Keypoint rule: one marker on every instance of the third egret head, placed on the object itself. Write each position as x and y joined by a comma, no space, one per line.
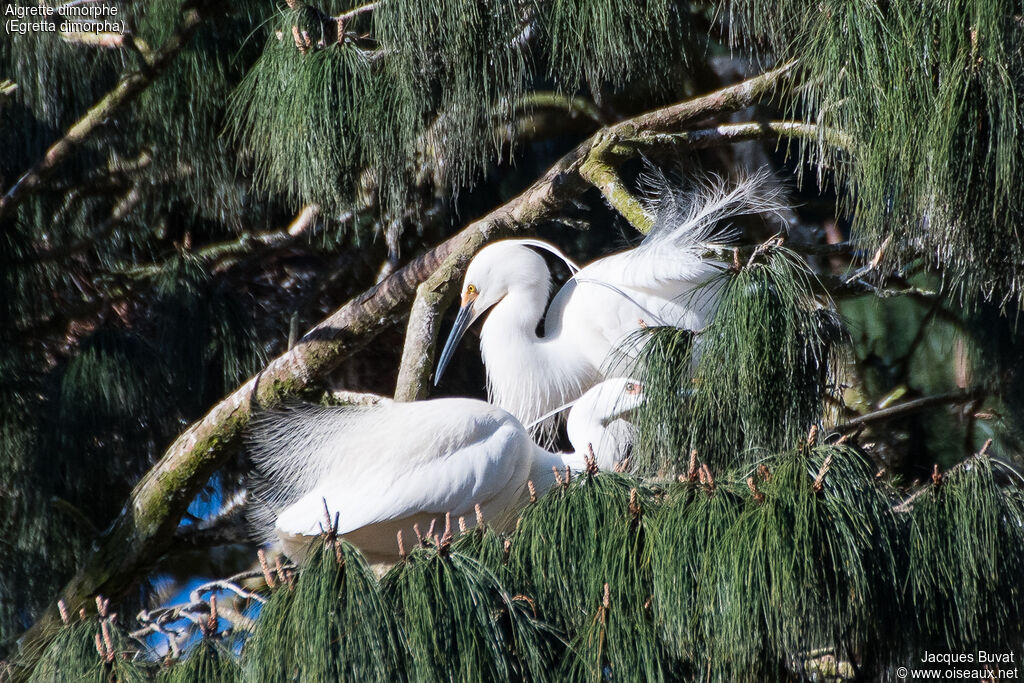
591,420
496,271
610,400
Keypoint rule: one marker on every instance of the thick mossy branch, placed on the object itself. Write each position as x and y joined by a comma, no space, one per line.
418,354
599,169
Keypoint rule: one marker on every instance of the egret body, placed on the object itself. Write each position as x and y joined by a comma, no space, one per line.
383,469
663,281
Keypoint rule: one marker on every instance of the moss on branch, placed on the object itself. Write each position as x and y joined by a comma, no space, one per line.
599,169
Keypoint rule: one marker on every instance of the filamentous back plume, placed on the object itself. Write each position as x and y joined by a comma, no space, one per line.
414,468
665,280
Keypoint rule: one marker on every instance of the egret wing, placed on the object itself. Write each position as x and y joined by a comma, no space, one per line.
387,462
666,279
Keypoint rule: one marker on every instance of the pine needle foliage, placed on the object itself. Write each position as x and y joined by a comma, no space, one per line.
110,406
180,117
207,661
50,74
425,96
73,656
310,121
576,539
809,563
36,549
453,65
931,95
110,383
599,41
484,545
328,623
687,530
965,574
460,623
753,381
221,346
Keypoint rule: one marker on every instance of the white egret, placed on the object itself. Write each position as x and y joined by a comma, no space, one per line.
385,468
665,280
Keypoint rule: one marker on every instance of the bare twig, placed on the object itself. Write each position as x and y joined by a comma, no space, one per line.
910,407
356,398
355,12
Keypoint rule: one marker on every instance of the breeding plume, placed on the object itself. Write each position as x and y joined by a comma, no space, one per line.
665,280
385,468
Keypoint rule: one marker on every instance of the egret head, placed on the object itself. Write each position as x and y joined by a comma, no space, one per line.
603,405
609,400
496,270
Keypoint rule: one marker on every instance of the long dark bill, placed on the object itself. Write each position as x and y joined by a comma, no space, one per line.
462,323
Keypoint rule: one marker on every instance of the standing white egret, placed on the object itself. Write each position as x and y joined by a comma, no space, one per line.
385,468
665,280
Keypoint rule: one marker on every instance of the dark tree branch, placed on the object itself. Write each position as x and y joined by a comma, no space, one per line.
911,407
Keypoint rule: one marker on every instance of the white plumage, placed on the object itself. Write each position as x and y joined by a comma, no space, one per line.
384,468
665,280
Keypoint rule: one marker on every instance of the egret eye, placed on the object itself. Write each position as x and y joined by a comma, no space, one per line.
630,387
471,289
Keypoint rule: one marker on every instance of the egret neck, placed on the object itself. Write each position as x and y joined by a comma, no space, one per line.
539,373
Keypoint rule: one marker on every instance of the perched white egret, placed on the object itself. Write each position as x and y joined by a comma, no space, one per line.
665,280
385,468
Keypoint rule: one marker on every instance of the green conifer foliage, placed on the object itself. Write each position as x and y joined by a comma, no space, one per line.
755,379
964,574
328,622
931,94
690,525
459,622
598,41
180,118
806,562
208,660
454,66
92,651
485,545
309,120
587,533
